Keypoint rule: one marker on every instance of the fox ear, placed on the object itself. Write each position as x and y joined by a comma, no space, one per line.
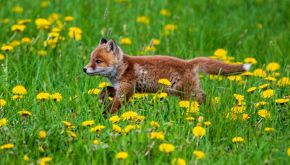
112,46
103,41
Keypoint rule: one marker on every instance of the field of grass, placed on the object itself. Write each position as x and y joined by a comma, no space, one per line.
47,102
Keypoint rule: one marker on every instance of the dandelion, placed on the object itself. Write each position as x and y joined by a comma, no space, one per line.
190,119
207,123
88,123
251,90
143,20
259,73
97,128
19,90
75,33
161,95
198,154
7,146
220,53
3,122
116,128
94,91
15,43
2,102
264,86
150,48
164,81
26,40
42,23
283,82
278,101
2,57
178,161
25,157
56,97
235,78
71,133
18,28
42,53
166,147
121,155
16,97
126,41
245,116
261,103
42,96
288,151
154,124
238,140
247,74
238,109
250,60
115,119
130,115
165,12
273,66
198,131
68,18
264,113
239,97
157,135
24,113
130,127
7,48
155,42
42,134
269,129
170,27
215,100
96,141
103,84
68,124
44,160
17,9
267,93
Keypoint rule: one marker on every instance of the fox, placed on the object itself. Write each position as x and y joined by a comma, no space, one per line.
129,74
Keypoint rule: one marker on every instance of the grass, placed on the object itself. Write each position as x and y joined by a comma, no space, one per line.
258,29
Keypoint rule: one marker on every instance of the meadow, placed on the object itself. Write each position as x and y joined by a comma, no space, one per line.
50,111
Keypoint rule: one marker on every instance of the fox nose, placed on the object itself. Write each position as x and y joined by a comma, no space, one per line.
85,69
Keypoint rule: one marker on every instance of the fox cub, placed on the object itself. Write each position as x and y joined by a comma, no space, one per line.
141,73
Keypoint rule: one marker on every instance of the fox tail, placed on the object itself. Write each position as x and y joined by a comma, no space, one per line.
212,66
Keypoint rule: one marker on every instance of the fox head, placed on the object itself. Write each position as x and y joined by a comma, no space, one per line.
105,59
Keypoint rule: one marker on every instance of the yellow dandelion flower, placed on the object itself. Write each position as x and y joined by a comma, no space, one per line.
68,18
235,78
94,91
273,66
220,53
238,140
121,155
43,96
215,100
24,113
19,90
42,53
239,97
143,20
264,86
42,23
164,81
88,123
17,9
157,135
7,146
16,97
165,12
2,102
14,43
198,154
44,160
190,119
278,101
178,161
160,95
18,28
96,141
269,78
166,147
7,48
42,134
247,74
155,42
126,41
198,131
25,157
3,122
259,73
26,40
154,124
115,119
129,115
72,134
2,57
264,113
288,151
267,93
250,60
56,97
68,124
251,90
170,27
246,116
97,128
150,48
116,128
238,109
103,84
283,82
261,103
23,21
207,123
269,129
130,127
75,33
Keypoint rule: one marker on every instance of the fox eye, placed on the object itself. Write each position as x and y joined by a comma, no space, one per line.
98,61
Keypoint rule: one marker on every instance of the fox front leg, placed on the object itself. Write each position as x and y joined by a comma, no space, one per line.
108,91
